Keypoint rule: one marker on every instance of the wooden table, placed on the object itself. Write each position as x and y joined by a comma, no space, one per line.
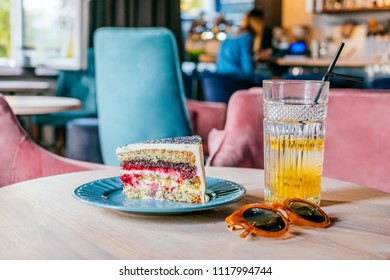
13,87
39,104
40,219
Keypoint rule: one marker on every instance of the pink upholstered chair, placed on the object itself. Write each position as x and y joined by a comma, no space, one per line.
21,159
357,147
241,142
204,117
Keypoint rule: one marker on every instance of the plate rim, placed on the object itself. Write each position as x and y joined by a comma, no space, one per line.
160,211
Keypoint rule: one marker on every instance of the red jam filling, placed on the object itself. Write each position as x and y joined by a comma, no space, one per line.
133,179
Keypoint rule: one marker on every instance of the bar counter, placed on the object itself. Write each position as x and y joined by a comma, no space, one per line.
321,62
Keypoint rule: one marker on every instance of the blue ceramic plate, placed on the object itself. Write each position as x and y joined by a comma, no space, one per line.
107,193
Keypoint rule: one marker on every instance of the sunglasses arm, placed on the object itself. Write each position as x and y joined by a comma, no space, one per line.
234,228
244,233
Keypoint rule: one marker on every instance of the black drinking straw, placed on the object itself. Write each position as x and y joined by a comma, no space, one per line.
329,73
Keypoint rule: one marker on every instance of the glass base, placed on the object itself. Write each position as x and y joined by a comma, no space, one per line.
273,199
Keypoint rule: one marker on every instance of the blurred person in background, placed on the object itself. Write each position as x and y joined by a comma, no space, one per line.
239,55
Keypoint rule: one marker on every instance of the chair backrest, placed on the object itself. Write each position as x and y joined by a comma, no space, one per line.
140,90
80,84
206,116
22,159
357,146
242,140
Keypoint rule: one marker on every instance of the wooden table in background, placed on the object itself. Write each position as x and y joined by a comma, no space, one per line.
24,106
12,87
39,104
40,219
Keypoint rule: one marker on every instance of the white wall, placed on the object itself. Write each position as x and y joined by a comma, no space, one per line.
294,13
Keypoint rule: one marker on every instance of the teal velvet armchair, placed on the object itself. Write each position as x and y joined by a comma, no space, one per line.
140,91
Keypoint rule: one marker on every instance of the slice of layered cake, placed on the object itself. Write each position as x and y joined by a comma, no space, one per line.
166,169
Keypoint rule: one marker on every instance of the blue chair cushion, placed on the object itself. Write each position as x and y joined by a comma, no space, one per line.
82,140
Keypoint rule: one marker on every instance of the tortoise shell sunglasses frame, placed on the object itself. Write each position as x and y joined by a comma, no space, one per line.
236,221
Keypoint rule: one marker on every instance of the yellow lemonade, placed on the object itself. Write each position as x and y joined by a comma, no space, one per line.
294,137
294,168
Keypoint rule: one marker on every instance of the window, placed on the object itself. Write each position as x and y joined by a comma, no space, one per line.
5,31
44,33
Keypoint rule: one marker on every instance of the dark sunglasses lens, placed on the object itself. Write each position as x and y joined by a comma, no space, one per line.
264,219
307,212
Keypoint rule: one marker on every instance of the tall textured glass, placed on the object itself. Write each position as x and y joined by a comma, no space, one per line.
294,137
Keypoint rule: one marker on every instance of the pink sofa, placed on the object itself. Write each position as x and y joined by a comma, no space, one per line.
357,147
21,159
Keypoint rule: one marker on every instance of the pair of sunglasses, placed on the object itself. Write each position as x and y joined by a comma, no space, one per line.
273,221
